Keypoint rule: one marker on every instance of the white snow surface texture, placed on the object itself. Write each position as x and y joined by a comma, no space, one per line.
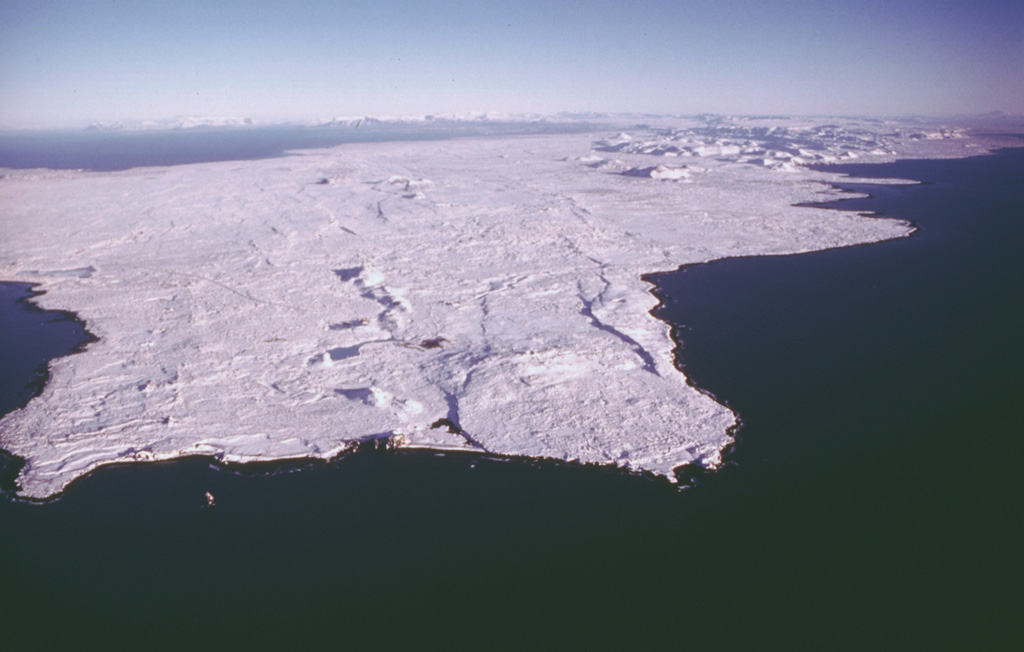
290,307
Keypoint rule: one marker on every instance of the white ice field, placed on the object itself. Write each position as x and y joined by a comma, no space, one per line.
479,294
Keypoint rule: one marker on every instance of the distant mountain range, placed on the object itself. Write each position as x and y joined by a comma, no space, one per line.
991,120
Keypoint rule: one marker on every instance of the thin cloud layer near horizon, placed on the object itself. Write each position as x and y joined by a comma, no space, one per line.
67,64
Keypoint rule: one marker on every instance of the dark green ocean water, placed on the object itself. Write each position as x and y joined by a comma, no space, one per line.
872,499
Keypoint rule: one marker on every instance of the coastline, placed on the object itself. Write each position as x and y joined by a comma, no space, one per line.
874,383
651,341
858,505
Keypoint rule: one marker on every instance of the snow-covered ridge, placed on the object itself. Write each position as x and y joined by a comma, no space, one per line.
741,126
191,122
773,145
478,294
229,122
458,118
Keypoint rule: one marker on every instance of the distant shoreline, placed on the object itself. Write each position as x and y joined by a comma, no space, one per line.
115,151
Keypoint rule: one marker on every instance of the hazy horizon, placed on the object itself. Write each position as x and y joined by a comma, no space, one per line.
69,64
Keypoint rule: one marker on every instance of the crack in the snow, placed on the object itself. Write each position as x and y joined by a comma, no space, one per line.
452,422
377,293
588,311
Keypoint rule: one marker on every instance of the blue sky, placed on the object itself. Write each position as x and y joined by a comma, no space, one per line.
66,64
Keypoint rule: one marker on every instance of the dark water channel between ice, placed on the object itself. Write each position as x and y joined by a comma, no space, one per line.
872,499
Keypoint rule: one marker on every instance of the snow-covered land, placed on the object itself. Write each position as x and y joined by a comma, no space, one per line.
480,294
192,122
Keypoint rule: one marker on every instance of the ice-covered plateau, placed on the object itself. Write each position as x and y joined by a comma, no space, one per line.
475,294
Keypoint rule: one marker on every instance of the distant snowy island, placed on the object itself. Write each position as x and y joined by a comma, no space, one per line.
480,294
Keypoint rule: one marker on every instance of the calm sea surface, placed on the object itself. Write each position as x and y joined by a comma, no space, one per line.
872,498
105,151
